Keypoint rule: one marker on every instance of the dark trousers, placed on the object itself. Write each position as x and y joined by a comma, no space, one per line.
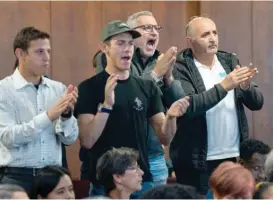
64,157
85,157
197,178
23,177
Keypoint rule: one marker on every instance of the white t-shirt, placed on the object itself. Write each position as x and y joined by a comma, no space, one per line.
222,123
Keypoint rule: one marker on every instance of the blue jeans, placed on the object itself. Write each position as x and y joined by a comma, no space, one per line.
158,169
209,195
99,190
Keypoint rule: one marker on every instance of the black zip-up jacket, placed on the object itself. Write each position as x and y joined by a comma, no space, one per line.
188,149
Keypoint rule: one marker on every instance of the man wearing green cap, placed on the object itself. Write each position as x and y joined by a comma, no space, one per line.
115,109
149,64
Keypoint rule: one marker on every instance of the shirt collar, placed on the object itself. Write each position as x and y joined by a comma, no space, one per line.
19,81
199,65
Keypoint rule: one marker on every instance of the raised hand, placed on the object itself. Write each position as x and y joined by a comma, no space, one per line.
253,71
236,77
64,104
178,108
72,92
109,91
165,62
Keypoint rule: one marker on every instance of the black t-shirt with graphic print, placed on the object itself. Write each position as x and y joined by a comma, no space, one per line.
136,100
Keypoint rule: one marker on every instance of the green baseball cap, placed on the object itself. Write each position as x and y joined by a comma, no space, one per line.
117,27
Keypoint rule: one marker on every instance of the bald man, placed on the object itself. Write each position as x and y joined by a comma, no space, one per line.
215,123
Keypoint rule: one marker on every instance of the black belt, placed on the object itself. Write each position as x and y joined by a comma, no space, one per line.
20,170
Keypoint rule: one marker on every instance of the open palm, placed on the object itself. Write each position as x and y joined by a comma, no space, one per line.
178,108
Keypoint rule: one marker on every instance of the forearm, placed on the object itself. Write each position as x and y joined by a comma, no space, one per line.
168,129
15,135
172,93
90,133
252,97
202,102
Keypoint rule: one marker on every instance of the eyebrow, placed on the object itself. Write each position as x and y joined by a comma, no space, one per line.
121,40
61,188
207,32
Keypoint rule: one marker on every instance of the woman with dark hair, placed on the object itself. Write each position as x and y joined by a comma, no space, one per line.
232,181
119,173
54,182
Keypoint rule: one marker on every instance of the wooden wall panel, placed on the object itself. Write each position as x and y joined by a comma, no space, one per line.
121,10
234,31
262,54
173,16
94,26
13,17
76,26
75,38
71,43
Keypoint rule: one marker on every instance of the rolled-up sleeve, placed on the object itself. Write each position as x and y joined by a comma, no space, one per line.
67,130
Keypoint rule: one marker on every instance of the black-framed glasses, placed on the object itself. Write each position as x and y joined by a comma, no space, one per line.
149,28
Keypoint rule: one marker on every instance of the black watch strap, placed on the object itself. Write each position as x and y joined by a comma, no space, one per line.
102,109
67,115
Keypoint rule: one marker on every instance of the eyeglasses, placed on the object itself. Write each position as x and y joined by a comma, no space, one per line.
135,167
149,28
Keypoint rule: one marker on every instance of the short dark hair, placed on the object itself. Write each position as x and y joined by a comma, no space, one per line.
251,146
170,191
7,190
48,178
25,36
261,189
114,161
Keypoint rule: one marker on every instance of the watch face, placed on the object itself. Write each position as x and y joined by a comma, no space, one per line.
99,106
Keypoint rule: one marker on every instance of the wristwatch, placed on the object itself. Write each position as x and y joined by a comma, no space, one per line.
158,80
67,115
102,109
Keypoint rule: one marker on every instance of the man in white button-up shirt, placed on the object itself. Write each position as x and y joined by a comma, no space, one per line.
35,112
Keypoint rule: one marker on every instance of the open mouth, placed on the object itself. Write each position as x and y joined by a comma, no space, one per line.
125,58
151,43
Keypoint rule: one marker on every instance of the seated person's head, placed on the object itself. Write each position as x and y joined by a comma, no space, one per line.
252,156
264,190
269,167
54,182
118,171
170,191
231,181
10,191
